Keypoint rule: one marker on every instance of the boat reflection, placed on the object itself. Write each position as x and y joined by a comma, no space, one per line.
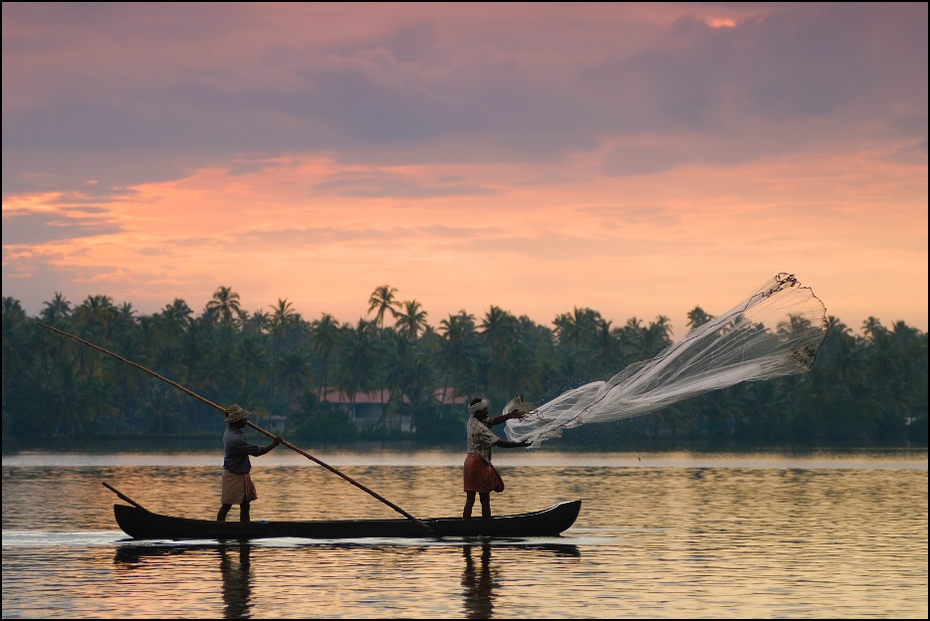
479,583
133,555
480,579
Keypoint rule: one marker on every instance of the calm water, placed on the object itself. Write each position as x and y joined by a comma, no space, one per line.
664,535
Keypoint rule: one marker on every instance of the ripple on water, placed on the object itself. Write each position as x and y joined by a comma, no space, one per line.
657,541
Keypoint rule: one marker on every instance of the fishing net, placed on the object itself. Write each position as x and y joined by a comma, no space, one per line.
776,331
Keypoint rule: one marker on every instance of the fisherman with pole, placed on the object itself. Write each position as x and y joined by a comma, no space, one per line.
238,488
245,422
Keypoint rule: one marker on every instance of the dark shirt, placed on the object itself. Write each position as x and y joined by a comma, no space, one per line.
238,450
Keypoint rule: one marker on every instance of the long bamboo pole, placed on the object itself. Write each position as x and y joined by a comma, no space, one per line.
248,422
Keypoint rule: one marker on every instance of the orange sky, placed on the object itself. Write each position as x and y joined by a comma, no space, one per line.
635,159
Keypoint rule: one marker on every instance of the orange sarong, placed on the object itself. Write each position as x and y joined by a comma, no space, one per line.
480,476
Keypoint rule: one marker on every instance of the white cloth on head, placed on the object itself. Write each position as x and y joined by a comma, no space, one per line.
477,407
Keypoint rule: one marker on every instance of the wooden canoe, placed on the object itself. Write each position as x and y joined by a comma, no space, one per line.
139,523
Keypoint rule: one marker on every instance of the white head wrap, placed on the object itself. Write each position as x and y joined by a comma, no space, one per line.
472,409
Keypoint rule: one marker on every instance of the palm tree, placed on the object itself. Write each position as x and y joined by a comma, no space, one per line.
871,327
361,357
96,314
259,321
605,347
631,339
458,350
578,333
95,318
658,335
168,332
577,328
126,311
517,369
848,363
499,330
282,316
125,318
57,308
252,355
415,378
698,317
67,401
97,393
178,312
295,372
411,320
836,326
17,352
225,305
325,337
382,299
195,346
884,357
129,382
175,319
905,335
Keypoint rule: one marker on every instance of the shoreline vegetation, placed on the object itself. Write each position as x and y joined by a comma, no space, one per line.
320,383
209,444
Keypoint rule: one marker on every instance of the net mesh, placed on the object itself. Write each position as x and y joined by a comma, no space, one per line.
776,331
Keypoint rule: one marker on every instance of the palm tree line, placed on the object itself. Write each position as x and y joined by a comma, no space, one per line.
870,388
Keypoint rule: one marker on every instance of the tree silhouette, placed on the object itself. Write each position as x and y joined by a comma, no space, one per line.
382,300
458,351
360,359
283,316
698,317
57,308
325,338
224,305
295,373
411,320
864,389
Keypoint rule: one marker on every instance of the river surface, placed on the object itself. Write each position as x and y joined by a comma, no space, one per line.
666,535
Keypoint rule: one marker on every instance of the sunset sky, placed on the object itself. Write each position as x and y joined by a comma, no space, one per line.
635,159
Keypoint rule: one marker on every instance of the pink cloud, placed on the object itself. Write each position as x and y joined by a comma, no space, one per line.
637,159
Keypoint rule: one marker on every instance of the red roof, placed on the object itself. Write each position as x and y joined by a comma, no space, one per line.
337,396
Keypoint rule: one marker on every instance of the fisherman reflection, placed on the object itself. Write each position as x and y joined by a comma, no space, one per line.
237,589
477,591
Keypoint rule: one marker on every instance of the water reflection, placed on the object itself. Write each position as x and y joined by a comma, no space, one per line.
132,555
675,542
478,585
235,570
237,583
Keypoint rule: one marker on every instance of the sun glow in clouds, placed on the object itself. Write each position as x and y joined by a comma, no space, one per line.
721,22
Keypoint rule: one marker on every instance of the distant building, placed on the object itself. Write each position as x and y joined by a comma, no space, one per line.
275,423
365,409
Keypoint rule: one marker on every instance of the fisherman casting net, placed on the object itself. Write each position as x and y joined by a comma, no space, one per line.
776,331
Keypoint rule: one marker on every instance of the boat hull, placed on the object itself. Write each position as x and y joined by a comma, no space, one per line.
141,524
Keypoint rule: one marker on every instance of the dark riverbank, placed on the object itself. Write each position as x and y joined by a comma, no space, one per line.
196,443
